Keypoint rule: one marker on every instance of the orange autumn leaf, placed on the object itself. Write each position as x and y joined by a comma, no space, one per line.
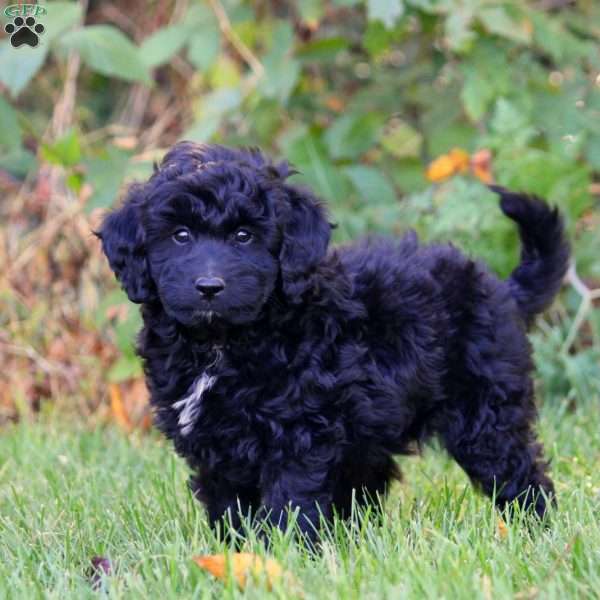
481,166
146,421
461,159
117,408
241,565
502,529
483,175
458,161
335,103
441,168
447,165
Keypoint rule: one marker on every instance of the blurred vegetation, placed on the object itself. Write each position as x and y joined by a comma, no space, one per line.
360,95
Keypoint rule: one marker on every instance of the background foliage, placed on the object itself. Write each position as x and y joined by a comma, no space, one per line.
360,95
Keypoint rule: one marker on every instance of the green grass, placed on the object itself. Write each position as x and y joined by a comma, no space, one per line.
68,493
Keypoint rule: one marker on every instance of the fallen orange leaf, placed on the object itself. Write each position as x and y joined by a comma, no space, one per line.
244,564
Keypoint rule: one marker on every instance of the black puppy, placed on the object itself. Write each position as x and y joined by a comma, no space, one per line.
289,375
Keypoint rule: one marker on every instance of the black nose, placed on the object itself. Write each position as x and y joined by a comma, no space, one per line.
210,286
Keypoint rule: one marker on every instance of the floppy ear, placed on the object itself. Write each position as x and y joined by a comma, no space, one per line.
123,242
306,233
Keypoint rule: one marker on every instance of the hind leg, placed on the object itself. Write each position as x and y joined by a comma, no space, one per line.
493,441
487,423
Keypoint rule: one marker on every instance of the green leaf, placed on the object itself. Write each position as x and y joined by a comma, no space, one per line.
10,131
497,20
476,95
545,174
225,73
377,39
592,151
453,134
126,330
281,69
128,366
311,10
100,316
386,11
402,141
74,181
162,45
214,107
352,134
204,36
459,35
203,130
18,66
280,78
511,123
60,17
466,212
371,184
551,35
307,153
323,49
106,173
203,48
65,151
409,176
18,162
487,76
108,51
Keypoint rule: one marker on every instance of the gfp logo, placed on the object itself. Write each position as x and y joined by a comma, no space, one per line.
24,29
24,10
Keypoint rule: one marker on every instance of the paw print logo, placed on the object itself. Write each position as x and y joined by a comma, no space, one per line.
24,31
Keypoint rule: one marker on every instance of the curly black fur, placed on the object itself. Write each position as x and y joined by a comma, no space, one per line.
298,383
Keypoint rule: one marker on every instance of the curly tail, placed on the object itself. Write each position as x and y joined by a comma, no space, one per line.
544,251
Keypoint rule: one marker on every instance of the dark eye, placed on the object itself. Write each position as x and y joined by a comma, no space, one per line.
182,236
243,236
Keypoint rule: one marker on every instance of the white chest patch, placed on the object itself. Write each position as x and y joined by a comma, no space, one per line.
190,406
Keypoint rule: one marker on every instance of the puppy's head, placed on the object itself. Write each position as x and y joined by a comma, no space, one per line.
212,234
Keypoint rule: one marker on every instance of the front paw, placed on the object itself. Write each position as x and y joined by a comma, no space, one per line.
289,523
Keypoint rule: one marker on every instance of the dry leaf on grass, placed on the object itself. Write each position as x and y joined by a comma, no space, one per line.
242,565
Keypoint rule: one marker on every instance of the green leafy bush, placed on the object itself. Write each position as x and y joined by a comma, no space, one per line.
359,95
